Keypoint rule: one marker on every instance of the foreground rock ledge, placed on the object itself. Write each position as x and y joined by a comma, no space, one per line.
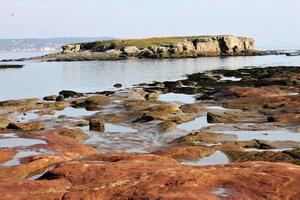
144,176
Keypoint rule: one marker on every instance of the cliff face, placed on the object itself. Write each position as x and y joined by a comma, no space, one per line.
168,47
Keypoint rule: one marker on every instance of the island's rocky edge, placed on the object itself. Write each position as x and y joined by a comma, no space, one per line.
159,47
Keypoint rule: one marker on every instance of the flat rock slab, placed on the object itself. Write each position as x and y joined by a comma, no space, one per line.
144,176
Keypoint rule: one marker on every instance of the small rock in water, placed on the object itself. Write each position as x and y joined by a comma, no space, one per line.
7,66
50,98
70,93
59,98
152,96
118,85
97,125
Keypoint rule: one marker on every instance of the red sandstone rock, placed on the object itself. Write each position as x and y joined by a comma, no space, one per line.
64,149
185,152
238,92
124,176
285,117
6,154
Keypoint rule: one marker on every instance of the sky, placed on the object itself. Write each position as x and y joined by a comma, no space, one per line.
274,24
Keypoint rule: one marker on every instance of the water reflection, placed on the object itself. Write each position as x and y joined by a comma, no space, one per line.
38,79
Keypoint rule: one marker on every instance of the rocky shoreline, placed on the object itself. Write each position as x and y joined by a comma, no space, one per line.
157,48
233,134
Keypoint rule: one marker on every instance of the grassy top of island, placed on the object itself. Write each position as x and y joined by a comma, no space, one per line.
144,42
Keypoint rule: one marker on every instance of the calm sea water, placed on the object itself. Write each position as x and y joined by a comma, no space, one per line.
38,79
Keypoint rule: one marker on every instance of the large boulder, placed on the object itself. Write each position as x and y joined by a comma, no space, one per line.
131,51
232,44
209,45
71,48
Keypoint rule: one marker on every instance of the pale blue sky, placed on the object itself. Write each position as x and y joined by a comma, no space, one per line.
272,23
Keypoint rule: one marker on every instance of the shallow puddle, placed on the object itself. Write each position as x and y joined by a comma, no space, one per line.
216,108
37,176
14,142
112,128
229,78
173,97
271,135
220,192
8,135
198,123
264,150
74,112
26,117
119,138
21,154
123,142
216,158
69,112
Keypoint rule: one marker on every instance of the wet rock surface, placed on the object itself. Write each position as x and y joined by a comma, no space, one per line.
134,144
151,177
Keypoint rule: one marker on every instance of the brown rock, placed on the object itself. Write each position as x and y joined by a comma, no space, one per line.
76,134
93,102
6,154
270,156
184,152
285,117
166,126
204,137
162,112
35,190
4,122
97,124
152,96
50,98
196,108
235,117
238,92
26,126
182,118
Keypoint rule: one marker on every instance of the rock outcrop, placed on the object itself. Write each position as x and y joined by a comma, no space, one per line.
156,48
71,48
170,47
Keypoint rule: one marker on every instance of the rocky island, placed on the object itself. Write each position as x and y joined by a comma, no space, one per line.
155,48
